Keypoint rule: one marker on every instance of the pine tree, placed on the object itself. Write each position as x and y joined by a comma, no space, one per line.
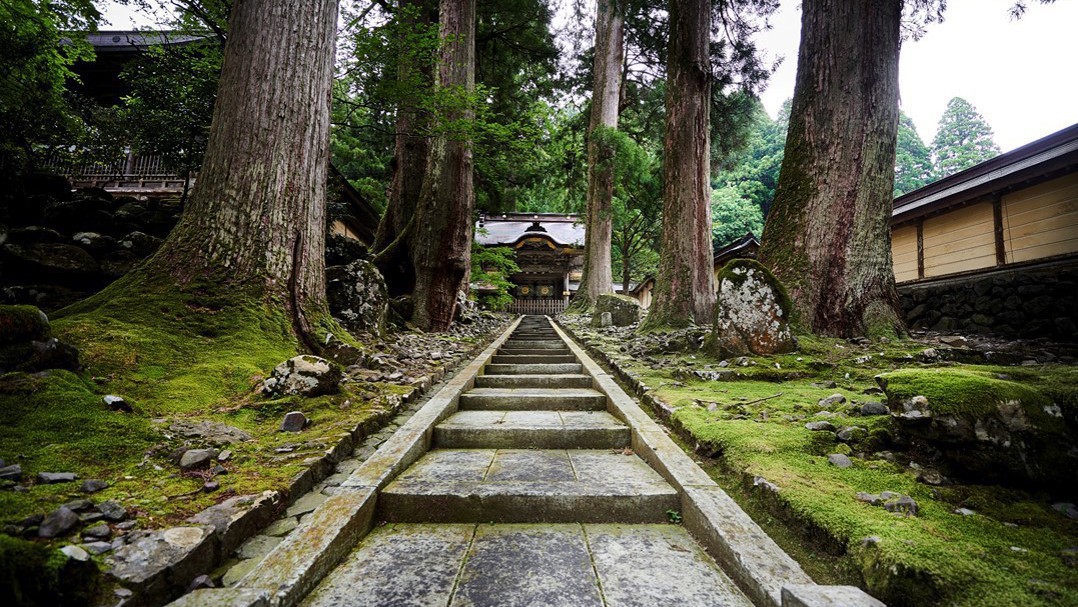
963,139
913,161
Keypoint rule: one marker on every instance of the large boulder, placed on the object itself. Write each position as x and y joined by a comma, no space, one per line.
991,429
21,324
64,262
752,314
303,375
623,310
358,297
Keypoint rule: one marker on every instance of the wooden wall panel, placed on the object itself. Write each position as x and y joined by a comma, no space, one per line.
904,252
961,240
1042,221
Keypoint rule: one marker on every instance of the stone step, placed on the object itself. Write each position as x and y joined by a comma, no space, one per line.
533,368
563,380
527,486
533,399
531,351
515,359
557,565
546,344
531,430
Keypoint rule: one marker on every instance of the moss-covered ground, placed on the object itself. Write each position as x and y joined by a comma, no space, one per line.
1012,552
190,354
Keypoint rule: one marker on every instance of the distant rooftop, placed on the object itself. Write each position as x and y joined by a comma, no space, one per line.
510,228
112,41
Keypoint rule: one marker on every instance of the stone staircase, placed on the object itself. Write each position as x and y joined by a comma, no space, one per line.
530,495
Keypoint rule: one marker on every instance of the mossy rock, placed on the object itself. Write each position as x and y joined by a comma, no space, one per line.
33,575
752,314
22,324
624,310
991,428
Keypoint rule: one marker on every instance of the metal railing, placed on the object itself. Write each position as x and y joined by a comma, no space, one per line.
549,307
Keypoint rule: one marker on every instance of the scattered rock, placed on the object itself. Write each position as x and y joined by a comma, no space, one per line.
763,483
93,486
852,434
901,505
294,421
76,553
50,478
839,460
1067,509
97,547
58,522
827,385
23,324
964,511
830,401
197,458
237,518
932,477
915,408
869,498
98,531
117,403
603,319
112,511
211,486
224,456
874,408
752,312
303,375
79,505
820,426
215,433
202,581
11,473
954,341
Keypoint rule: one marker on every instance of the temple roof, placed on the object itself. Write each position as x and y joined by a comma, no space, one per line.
510,228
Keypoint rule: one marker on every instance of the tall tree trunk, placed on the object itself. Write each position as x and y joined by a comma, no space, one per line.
685,284
598,277
443,225
411,148
257,214
828,234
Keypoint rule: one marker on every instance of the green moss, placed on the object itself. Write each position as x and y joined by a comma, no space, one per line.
964,391
936,558
33,575
21,323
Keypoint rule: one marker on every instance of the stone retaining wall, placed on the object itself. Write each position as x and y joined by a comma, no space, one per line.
1031,301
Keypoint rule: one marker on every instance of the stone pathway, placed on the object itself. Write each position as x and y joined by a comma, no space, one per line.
529,496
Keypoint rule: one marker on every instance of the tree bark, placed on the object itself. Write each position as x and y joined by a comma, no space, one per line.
257,213
598,277
828,234
443,227
685,283
411,148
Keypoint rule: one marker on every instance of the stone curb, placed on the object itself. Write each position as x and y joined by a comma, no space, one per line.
232,528
761,568
296,565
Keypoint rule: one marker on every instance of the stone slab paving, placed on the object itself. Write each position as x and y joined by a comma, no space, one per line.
568,565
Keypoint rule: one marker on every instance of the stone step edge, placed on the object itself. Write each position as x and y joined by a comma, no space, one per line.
296,565
743,550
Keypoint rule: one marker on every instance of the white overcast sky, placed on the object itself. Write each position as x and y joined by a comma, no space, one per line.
1021,75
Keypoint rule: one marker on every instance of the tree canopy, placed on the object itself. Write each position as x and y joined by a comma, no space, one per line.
963,139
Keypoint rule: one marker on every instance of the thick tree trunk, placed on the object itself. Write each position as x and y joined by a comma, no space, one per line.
411,148
257,214
609,56
685,284
443,226
828,234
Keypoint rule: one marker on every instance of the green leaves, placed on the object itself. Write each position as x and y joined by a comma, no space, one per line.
963,139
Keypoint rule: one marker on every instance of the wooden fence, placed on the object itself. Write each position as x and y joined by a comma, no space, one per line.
549,307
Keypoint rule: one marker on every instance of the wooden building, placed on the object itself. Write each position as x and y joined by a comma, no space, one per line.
745,247
994,248
550,252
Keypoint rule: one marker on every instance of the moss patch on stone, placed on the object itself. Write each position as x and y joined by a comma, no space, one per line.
965,391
